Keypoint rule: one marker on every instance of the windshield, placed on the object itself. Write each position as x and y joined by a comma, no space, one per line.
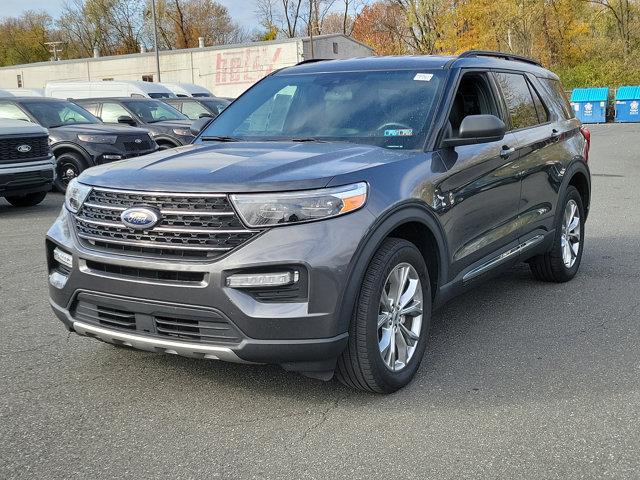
391,109
151,111
161,95
217,105
51,114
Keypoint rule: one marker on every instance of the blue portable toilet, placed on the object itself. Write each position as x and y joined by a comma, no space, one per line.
628,104
590,104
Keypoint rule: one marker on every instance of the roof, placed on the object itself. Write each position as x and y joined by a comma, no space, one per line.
29,99
17,127
590,94
415,62
628,93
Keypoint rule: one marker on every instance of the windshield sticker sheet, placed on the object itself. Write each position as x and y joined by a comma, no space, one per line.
402,132
423,77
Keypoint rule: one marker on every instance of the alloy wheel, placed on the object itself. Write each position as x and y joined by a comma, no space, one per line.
400,316
570,239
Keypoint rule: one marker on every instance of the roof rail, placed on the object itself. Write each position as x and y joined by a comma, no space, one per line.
312,60
505,56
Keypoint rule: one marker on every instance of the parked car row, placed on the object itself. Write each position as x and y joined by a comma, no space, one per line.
92,123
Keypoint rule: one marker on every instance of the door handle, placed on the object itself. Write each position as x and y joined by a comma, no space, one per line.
507,151
555,133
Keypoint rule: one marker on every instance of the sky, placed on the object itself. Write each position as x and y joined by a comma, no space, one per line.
242,11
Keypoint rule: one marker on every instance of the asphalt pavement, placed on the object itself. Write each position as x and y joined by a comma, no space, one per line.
521,379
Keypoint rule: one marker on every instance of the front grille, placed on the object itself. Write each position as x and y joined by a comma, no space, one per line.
135,147
192,226
145,273
9,148
107,316
155,319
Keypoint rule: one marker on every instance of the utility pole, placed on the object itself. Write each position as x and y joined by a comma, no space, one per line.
54,48
311,26
155,38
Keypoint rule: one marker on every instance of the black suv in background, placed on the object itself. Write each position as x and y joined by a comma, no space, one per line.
318,220
168,127
78,139
196,108
26,163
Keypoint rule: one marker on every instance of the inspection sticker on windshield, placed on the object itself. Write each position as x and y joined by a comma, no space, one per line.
423,77
403,132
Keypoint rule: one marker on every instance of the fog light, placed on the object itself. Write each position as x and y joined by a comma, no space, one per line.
112,157
63,258
58,280
256,280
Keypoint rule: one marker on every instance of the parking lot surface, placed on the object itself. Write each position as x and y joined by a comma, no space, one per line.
521,379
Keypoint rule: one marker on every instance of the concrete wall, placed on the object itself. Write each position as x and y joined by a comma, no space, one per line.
227,70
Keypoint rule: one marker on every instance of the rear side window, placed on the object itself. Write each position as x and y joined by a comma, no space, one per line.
518,100
556,98
543,115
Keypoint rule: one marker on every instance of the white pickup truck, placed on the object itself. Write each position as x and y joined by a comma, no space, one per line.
27,165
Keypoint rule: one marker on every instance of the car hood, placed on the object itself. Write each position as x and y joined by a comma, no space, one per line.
96,128
239,167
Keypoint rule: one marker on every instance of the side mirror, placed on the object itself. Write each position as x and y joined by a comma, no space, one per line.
198,125
126,119
477,129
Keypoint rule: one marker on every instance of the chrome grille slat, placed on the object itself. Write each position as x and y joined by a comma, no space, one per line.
191,225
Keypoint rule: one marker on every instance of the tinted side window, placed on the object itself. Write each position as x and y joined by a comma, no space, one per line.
556,97
543,115
91,108
518,99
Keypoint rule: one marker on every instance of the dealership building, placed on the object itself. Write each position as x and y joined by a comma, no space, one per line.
226,70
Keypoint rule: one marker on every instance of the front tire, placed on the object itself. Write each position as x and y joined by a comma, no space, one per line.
68,166
28,200
390,323
561,263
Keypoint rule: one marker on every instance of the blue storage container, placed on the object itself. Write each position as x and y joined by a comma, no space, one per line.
590,104
628,104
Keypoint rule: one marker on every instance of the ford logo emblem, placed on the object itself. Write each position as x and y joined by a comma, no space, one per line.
23,148
138,140
140,218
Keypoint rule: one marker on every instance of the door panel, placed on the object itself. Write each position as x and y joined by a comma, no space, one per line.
478,200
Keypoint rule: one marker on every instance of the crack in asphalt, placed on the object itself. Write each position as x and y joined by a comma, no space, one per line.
323,418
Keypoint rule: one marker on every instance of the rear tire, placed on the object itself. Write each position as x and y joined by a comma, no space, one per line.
561,263
378,321
28,200
68,166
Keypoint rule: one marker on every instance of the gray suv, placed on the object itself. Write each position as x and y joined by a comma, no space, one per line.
321,217
27,166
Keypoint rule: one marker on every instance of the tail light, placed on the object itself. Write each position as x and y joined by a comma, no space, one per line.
586,133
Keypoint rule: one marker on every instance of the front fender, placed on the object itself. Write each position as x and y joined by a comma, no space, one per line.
57,147
402,213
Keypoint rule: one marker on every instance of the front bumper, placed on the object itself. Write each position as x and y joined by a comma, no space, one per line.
301,332
26,177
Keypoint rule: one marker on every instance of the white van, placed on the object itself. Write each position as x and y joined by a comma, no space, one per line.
25,92
188,90
106,88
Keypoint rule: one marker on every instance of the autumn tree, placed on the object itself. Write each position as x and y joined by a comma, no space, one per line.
382,26
24,37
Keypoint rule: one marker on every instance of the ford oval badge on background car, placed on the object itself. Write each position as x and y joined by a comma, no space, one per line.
140,218
23,148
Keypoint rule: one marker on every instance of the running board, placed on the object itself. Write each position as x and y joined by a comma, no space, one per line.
503,257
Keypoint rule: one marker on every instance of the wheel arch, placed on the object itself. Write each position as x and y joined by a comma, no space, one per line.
60,148
166,139
411,221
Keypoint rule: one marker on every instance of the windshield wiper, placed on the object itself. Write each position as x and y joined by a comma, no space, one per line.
219,138
307,139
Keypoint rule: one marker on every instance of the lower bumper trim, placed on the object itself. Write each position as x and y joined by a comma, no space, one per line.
157,345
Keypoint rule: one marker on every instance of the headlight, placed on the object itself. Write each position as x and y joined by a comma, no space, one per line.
182,131
273,209
111,139
76,194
